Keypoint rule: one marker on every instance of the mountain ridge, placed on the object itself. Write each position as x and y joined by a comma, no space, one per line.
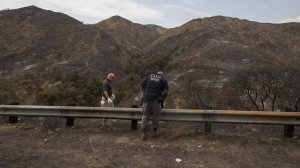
38,44
132,36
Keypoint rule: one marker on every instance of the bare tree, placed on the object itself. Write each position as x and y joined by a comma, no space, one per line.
245,83
275,81
289,97
261,87
197,96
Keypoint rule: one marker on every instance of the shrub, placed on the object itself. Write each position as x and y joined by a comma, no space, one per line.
74,89
8,91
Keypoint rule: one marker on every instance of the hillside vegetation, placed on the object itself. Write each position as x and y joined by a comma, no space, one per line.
215,63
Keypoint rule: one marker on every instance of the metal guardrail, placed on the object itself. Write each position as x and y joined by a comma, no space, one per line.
290,119
70,111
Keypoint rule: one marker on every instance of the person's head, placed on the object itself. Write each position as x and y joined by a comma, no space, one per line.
160,73
111,77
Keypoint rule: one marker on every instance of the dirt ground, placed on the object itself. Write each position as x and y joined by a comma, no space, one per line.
47,142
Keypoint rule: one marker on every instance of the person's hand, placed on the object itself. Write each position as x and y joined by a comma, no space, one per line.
113,96
109,101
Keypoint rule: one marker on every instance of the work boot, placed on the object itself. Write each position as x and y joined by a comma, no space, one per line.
155,133
144,134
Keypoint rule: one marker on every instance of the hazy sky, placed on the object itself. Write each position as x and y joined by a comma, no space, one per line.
167,13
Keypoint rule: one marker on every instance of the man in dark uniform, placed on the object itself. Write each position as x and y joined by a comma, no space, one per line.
155,88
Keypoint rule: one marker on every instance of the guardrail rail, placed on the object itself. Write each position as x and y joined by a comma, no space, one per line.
288,119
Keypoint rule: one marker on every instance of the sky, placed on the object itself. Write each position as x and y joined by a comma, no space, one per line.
167,13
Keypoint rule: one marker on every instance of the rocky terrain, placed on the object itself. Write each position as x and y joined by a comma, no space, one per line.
48,143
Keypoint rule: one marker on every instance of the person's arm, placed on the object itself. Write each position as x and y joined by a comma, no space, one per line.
165,90
164,94
109,100
106,94
144,82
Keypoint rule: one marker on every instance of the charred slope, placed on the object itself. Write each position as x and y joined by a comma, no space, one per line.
39,44
213,49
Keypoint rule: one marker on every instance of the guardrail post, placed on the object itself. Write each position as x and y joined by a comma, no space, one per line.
70,120
207,127
134,122
13,119
289,131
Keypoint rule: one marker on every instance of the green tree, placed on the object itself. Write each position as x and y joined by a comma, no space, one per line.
73,89
145,64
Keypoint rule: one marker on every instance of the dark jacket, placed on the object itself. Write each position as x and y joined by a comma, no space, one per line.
153,87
